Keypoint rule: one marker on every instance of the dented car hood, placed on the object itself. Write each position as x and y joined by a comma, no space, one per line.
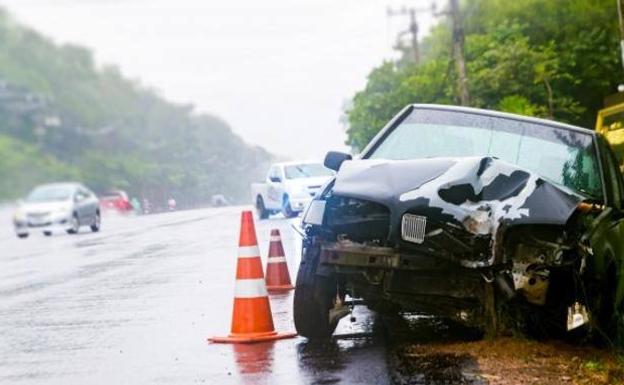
477,193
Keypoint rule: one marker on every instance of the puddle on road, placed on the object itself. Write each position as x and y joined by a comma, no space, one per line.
358,359
355,354
372,349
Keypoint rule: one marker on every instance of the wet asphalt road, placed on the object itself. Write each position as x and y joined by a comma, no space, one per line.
135,303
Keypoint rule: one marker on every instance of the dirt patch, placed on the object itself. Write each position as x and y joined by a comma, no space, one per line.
506,361
433,368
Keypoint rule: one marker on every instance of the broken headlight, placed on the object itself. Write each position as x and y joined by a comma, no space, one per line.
357,220
315,211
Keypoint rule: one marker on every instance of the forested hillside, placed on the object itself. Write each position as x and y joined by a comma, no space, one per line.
62,117
547,58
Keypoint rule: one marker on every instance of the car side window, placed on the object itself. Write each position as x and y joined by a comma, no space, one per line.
274,174
271,173
81,194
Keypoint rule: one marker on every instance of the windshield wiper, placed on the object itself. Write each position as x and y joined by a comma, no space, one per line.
591,195
302,171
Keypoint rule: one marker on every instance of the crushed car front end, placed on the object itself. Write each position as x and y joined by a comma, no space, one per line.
472,238
421,247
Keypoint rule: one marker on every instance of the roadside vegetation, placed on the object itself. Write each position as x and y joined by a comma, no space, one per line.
508,361
64,117
555,59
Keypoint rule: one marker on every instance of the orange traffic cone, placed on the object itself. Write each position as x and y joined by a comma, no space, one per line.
277,275
251,317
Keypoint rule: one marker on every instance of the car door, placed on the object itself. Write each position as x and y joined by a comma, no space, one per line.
82,204
607,231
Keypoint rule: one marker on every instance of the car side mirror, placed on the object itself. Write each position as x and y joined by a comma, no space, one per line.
334,159
275,179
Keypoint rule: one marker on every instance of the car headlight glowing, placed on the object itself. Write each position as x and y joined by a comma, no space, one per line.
19,215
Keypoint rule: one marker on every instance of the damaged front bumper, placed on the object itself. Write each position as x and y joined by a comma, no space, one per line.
344,254
413,282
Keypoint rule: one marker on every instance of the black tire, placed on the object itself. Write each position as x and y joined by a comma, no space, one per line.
314,297
263,213
611,314
95,226
287,210
22,236
75,224
47,233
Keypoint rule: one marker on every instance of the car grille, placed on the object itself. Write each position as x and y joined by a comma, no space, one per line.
40,224
38,215
413,228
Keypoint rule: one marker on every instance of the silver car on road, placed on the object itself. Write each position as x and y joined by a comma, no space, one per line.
58,206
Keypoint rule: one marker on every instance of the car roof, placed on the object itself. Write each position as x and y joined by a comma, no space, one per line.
295,163
72,185
111,192
505,115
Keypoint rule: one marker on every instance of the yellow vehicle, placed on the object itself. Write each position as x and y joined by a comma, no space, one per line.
610,123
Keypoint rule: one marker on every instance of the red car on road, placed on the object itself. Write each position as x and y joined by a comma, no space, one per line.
115,200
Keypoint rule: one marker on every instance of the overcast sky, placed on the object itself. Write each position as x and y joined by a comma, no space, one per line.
279,71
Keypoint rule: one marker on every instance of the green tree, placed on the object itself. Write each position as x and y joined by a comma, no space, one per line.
73,120
554,59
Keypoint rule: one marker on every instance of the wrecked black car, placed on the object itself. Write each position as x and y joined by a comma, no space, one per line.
490,219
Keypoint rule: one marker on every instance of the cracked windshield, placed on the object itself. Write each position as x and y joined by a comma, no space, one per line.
312,192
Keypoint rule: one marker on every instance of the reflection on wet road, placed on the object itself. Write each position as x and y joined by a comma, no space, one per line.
135,303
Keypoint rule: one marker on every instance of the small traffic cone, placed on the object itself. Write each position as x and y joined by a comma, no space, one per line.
251,317
277,275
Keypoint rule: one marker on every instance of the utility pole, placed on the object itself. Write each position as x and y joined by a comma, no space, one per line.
621,19
413,27
458,52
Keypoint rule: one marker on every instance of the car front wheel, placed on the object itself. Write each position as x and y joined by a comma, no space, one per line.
75,225
23,235
97,222
315,296
263,213
610,313
287,210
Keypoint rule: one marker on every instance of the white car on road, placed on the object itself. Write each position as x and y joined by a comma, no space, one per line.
58,206
289,187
